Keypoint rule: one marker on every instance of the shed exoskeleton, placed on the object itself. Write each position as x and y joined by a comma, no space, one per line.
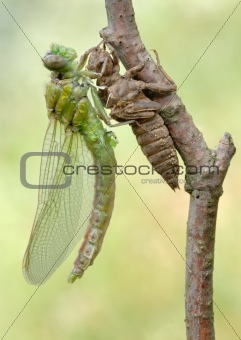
124,95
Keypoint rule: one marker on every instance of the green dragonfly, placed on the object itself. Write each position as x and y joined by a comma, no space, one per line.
67,213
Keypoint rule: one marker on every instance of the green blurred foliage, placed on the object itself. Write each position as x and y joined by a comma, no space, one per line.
135,290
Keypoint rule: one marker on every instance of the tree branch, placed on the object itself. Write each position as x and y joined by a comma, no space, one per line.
205,169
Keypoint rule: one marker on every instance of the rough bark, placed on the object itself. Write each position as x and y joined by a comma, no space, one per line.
205,169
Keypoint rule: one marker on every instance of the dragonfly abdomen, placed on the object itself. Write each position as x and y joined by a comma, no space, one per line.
101,213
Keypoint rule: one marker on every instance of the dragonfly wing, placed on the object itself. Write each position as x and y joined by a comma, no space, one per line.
62,214
53,142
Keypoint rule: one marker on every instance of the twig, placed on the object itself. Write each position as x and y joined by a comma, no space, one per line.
206,169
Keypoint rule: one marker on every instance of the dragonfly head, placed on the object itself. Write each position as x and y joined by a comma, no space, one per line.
60,59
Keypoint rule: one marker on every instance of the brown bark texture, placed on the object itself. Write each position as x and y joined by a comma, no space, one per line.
204,185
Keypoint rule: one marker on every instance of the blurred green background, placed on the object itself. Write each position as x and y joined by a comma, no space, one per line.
135,290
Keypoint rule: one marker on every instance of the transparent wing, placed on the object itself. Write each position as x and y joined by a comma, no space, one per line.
62,214
53,142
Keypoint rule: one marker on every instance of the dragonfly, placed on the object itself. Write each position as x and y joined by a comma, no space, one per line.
77,150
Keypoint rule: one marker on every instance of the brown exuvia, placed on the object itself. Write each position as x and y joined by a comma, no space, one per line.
129,105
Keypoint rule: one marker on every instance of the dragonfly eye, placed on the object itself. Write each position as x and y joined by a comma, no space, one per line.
54,62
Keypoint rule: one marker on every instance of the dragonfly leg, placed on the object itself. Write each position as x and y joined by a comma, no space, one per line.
99,107
83,59
132,72
162,70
